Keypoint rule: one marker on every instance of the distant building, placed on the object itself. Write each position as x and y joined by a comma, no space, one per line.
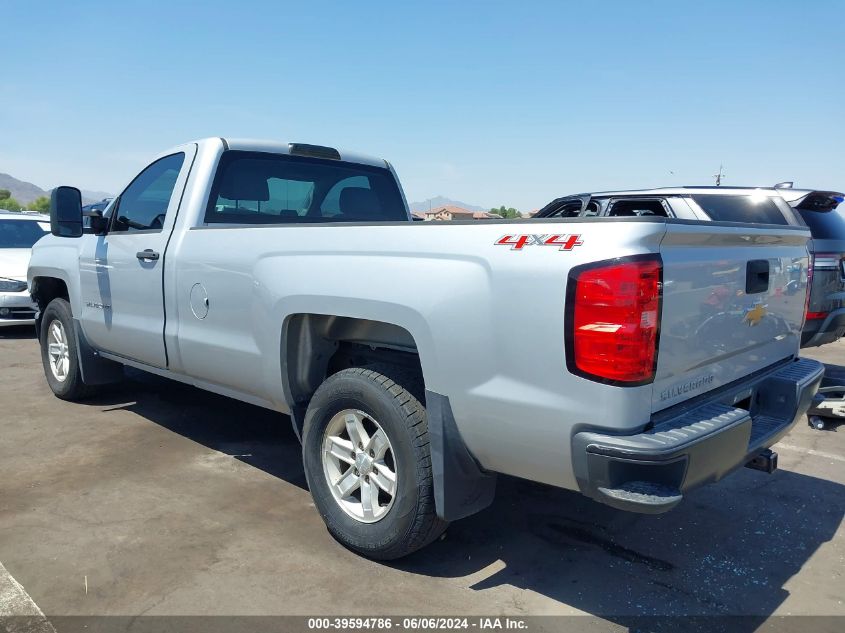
451,212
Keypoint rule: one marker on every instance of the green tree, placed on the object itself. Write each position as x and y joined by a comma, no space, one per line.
8,202
40,204
509,213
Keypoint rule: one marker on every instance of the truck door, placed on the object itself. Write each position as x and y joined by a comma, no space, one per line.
122,271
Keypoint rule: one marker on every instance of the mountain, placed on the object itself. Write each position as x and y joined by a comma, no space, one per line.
25,192
94,196
442,201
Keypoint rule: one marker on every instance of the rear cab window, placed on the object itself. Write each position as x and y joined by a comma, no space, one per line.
266,188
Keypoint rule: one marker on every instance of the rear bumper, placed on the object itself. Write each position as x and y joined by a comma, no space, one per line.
824,331
686,447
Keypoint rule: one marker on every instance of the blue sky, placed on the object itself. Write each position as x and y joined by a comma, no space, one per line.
492,103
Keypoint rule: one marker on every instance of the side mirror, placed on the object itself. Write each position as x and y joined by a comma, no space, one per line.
66,212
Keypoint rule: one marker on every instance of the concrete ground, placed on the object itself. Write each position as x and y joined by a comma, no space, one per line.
157,498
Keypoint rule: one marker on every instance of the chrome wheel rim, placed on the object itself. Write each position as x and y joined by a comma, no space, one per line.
57,351
359,465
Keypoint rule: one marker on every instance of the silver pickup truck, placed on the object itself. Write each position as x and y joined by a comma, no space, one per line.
629,358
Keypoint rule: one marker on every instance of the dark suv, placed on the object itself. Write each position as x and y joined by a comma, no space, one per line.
825,321
826,312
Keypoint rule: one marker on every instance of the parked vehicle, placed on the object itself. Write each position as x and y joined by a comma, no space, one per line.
18,233
825,316
96,207
290,276
826,308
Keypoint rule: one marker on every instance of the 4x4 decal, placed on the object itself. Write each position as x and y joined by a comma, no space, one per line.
565,242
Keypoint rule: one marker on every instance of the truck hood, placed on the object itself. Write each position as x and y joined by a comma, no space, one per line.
13,262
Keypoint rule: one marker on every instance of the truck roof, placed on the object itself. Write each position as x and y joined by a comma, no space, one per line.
284,147
685,190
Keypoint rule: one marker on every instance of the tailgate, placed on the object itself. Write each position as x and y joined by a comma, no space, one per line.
733,303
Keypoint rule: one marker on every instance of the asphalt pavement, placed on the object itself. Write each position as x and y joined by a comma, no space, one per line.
156,498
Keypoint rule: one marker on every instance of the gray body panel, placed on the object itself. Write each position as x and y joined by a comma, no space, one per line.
486,320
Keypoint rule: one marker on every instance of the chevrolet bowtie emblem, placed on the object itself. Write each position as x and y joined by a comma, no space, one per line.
755,314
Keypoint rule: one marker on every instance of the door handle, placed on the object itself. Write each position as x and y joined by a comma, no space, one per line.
147,254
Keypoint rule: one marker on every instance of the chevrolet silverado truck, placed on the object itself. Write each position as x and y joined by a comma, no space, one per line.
417,360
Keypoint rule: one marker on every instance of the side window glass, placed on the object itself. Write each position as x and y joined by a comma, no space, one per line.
754,209
635,208
143,205
592,209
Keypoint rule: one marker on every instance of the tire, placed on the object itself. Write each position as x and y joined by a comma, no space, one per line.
408,521
67,383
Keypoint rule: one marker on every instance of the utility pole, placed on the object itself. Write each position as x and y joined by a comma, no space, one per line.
719,176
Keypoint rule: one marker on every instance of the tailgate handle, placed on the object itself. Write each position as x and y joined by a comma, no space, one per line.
757,276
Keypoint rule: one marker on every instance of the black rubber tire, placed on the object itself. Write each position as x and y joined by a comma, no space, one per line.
412,522
72,388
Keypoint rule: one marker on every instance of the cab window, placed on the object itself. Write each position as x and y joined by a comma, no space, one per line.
143,205
266,188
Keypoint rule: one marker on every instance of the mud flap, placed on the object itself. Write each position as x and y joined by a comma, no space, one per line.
461,487
95,369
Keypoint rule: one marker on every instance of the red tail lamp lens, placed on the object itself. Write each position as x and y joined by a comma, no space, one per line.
616,320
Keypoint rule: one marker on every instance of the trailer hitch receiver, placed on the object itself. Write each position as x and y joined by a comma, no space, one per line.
767,461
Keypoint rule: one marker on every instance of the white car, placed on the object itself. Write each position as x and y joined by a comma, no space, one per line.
18,234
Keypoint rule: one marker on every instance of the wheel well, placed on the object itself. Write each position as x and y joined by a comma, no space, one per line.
315,346
44,290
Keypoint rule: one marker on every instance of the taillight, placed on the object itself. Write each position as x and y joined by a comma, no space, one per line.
613,320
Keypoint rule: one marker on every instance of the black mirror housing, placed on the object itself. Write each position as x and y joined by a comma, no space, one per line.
66,212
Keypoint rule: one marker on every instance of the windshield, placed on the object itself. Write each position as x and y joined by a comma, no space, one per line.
21,233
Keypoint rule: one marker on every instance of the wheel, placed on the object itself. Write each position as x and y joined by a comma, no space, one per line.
59,353
817,422
368,465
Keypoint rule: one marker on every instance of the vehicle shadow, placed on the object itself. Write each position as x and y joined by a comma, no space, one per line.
254,435
15,332
728,550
